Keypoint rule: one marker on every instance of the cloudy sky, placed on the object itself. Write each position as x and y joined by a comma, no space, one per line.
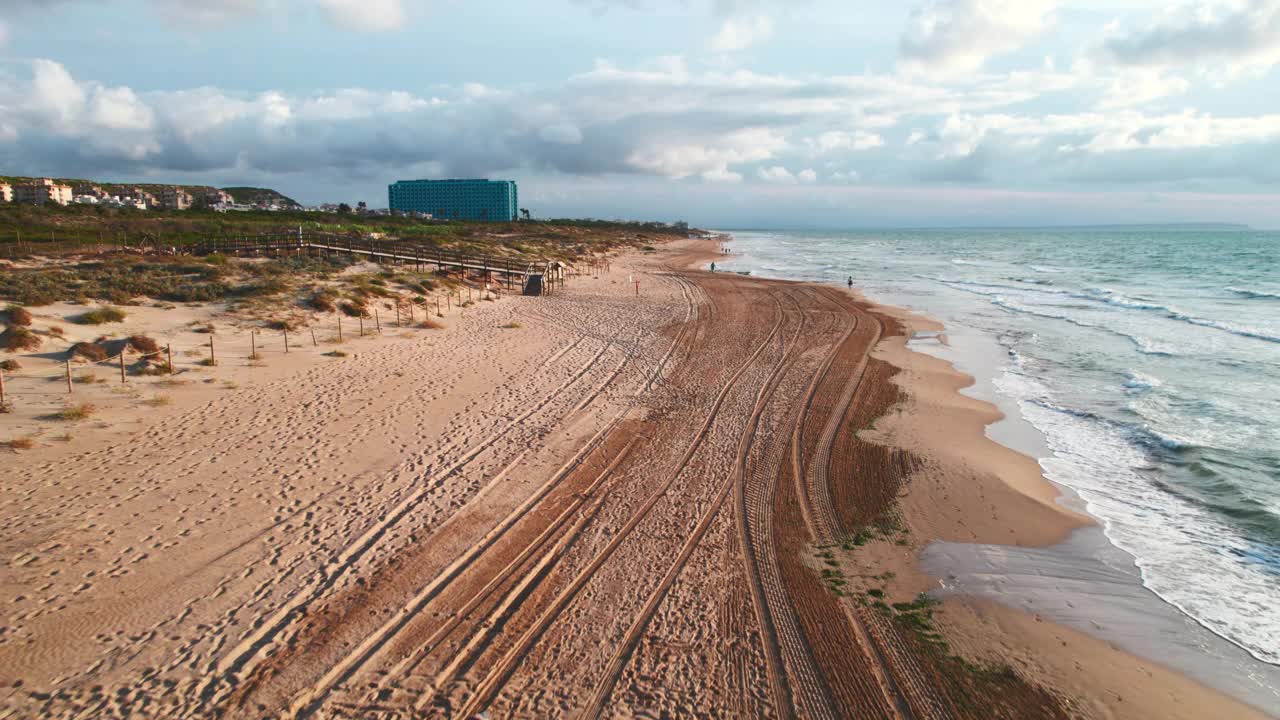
733,113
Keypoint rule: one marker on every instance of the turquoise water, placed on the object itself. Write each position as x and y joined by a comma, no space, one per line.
1149,361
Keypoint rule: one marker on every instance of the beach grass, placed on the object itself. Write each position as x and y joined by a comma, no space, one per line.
74,413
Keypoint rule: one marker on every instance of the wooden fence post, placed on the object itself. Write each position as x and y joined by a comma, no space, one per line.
122,365
68,376
253,344
168,349
1,388
361,319
213,359
286,339
438,313
313,338
398,313
377,320
339,327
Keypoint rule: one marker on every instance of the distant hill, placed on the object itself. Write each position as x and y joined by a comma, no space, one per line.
253,196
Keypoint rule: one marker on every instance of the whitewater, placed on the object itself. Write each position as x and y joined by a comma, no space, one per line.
1148,361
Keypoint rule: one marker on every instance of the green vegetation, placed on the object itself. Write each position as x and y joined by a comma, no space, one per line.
252,195
143,344
91,351
44,228
10,365
122,279
18,339
100,316
17,315
82,411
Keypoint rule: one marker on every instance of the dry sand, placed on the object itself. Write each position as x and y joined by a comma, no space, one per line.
593,503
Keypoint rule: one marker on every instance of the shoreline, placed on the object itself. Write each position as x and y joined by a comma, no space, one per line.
973,569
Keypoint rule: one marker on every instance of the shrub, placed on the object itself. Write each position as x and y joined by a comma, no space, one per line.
323,300
205,329
336,353
282,325
151,370
17,338
157,401
143,344
18,315
82,411
92,352
430,324
56,331
510,326
355,309
100,316
10,365
20,444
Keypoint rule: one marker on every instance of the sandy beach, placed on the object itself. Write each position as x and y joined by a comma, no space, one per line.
661,492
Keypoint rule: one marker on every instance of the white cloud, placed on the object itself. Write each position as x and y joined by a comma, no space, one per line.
776,174
709,157
740,33
840,140
209,13
365,15
119,109
1240,36
54,95
959,36
1142,85
662,120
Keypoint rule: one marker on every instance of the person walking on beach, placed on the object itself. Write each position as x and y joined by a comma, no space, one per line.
713,267
850,282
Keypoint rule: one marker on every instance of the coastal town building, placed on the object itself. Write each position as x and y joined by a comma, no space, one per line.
479,200
212,198
132,196
6,192
124,202
39,192
88,189
174,198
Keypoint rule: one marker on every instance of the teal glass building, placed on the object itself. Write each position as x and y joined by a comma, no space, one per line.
479,200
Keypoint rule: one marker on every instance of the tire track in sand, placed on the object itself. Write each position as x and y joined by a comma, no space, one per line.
502,669
253,650
308,700
622,654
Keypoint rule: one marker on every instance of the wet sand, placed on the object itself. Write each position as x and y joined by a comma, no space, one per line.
697,500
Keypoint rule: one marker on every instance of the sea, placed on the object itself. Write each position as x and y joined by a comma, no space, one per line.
1147,360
